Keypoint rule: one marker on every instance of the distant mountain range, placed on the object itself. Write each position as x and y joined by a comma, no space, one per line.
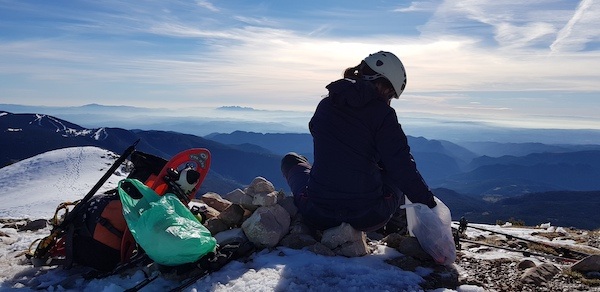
202,121
481,180
26,135
448,165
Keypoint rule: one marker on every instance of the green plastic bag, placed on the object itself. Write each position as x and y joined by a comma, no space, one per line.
163,226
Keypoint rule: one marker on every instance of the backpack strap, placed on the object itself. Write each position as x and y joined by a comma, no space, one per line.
68,263
104,222
128,246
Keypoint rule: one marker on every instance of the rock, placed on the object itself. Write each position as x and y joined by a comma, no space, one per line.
337,236
588,264
298,240
216,201
267,226
321,249
393,240
259,185
231,236
211,212
265,199
216,225
410,246
405,263
239,197
34,225
208,211
299,227
233,215
288,204
442,277
14,223
280,196
345,240
540,274
525,264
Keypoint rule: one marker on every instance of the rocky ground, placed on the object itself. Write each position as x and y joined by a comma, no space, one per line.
269,219
534,273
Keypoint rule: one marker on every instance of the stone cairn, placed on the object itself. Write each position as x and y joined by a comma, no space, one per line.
268,218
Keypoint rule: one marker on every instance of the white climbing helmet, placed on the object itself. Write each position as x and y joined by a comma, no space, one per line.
389,66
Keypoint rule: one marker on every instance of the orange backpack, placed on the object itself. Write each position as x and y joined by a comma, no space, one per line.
98,236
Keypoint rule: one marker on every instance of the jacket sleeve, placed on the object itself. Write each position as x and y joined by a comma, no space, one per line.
399,164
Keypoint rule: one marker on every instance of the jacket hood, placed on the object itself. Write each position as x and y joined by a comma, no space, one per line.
355,93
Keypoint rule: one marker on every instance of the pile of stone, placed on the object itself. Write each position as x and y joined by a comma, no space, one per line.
268,218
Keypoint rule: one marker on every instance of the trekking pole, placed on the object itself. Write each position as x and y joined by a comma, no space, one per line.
561,249
41,252
105,177
524,252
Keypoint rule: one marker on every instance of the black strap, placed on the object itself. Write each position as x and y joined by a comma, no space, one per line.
69,246
104,222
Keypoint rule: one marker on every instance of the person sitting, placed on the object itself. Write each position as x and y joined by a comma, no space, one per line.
362,162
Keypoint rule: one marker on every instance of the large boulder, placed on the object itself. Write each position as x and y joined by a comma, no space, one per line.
265,199
235,235
233,215
267,226
260,185
215,201
240,197
588,264
345,240
539,274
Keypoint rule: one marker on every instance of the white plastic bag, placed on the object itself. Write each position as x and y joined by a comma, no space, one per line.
432,229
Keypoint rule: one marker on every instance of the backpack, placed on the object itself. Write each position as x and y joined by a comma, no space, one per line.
98,236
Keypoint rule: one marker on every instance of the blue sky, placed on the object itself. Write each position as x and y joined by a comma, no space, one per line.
512,62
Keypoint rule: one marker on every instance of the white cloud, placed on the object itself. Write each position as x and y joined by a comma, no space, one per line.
207,5
581,29
261,61
418,6
259,21
515,23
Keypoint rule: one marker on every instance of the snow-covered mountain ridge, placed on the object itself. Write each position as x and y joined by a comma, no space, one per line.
35,186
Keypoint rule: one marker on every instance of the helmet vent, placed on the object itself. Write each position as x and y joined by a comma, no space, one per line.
379,63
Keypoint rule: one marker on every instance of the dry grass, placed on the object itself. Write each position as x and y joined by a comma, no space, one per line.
542,248
550,235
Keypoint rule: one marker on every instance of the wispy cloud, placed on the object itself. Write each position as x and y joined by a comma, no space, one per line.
582,28
197,52
514,24
418,6
208,5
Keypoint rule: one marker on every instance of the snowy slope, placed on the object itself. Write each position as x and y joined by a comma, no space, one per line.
35,186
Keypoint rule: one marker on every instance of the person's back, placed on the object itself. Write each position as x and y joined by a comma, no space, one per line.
362,162
343,128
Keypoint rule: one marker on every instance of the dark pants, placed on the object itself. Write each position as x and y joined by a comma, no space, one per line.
371,216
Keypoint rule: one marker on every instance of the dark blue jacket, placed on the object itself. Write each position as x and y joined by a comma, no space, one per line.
359,145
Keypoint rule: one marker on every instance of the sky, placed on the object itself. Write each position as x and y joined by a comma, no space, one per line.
513,63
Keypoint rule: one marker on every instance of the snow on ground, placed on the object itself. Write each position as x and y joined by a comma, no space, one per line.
281,269
34,187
